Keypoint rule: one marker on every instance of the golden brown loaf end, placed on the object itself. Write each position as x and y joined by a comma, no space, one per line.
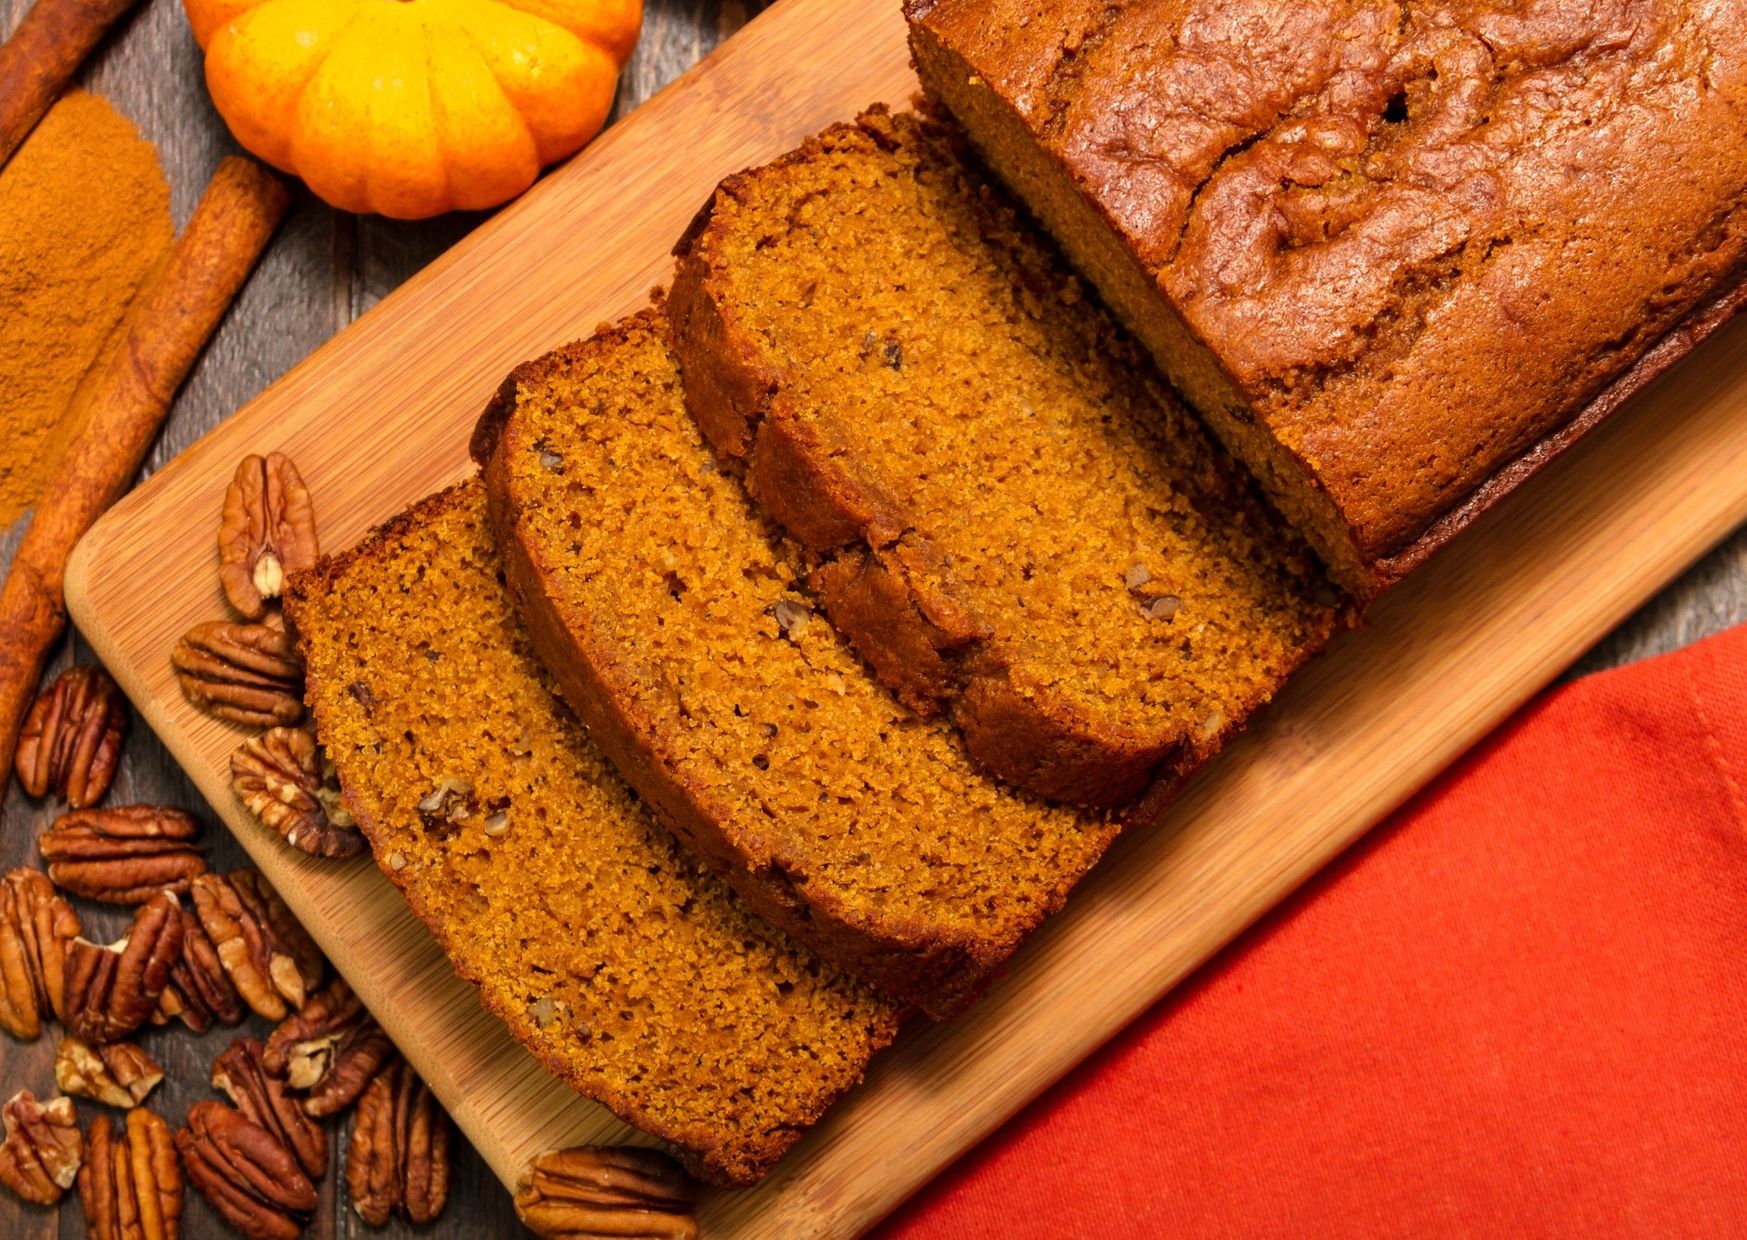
615,957
1397,252
674,617
1019,524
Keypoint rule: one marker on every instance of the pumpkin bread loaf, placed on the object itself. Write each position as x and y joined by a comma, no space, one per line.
1398,252
1017,520
674,617
629,970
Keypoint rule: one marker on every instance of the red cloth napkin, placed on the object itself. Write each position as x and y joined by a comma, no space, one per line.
1518,1008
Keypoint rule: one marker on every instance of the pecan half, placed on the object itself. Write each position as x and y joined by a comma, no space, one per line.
267,532
239,1075
398,1162
124,855
41,1153
71,739
245,673
131,1187
592,1191
269,957
200,991
118,1075
37,927
253,1181
112,990
283,778
333,1048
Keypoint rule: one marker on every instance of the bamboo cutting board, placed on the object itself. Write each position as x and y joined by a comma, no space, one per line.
380,416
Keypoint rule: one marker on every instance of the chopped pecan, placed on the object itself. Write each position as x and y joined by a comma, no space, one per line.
245,673
71,739
37,927
200,991
112,990
253,1181
398,1162
118,1075
41,1153
592,1191
239,1074
124,855
450,802
283,778
267,532
332,1049
131,1187
269,957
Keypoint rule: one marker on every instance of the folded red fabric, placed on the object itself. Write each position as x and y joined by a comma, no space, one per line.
1518,1008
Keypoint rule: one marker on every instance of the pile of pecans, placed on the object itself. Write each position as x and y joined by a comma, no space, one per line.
203,948
250,674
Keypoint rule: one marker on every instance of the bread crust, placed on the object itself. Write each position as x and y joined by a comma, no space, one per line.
901,956
729,1164
1687,335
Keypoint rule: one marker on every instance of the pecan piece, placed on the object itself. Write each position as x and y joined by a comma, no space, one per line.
112,990
593,1191
37,927
252,1180
131,1186
124,855
71,739
244,673
284,779
398,1162
199,991
267,532
333,1048
119,1074
269,957
239,1074
41,1153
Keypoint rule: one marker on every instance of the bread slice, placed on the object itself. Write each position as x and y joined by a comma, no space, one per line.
628,969
673,615
1019,523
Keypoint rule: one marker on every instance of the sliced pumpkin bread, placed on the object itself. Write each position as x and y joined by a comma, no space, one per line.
627,968
1019,523
674,616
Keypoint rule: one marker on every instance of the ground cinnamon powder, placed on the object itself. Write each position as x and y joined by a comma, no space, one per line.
84,220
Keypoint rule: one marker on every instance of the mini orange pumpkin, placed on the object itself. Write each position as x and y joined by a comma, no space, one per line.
410,108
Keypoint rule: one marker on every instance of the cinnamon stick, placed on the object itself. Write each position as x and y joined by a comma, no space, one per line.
125,405
38,61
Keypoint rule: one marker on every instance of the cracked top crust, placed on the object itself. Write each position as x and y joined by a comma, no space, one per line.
1415,237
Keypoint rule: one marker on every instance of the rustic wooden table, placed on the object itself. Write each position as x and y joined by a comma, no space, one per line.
323,270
